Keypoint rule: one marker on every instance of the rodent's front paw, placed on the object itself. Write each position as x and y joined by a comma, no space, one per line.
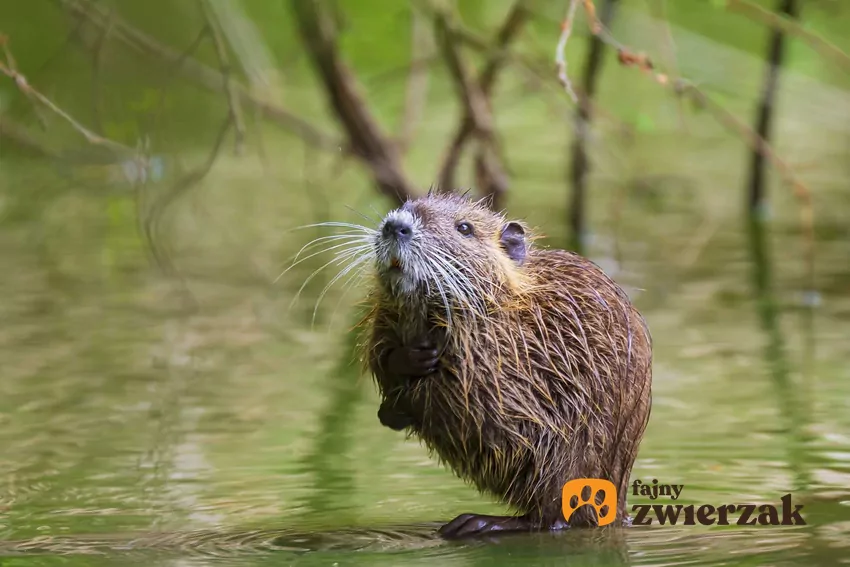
414,361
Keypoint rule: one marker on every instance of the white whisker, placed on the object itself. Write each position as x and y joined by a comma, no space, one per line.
354,264
352,235
368,218
335,224
364,245
346,289
339,257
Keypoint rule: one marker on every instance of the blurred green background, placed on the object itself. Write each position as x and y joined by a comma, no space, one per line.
163,400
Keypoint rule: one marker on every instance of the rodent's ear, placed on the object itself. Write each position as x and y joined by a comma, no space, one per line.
512,240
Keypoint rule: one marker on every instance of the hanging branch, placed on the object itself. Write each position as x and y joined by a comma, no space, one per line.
228,84
201,74
365,138
764,117
658,9
171,75
754,140
537,68
9,68
560,49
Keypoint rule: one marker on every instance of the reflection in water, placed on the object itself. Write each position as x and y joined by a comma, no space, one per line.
329,461
792,402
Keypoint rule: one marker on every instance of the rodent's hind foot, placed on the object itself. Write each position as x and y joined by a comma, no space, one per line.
470,525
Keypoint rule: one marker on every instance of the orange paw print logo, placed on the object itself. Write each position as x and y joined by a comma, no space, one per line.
583,491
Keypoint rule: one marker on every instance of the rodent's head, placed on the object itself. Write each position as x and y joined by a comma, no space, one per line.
448,247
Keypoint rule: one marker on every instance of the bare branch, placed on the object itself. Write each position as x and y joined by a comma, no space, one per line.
417,82
227,78
790,27
171,75
475,105
201,74
758,144
497,55
367,141
658,9
9,69
538,69
560,48
490,177
510,28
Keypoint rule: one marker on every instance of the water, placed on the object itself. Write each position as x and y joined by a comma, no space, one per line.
141,427
194,419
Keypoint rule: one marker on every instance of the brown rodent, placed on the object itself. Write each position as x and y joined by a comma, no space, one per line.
521,368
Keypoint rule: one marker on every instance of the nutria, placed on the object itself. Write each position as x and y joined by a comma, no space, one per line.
520,367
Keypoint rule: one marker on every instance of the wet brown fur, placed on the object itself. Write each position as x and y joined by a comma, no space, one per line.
553,383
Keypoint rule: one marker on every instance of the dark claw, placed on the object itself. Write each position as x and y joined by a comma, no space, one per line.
423,355
412,362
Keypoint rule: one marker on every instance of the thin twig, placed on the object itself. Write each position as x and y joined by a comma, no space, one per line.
757,143
626,55
201,74
537,68
560,49
416,94
792,28
365,137
171,75
10,70
490,176
496,56
227,79
475,104
659,12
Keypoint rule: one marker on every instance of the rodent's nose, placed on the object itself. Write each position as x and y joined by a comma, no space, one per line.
397,229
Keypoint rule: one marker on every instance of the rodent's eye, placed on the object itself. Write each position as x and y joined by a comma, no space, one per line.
464,228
